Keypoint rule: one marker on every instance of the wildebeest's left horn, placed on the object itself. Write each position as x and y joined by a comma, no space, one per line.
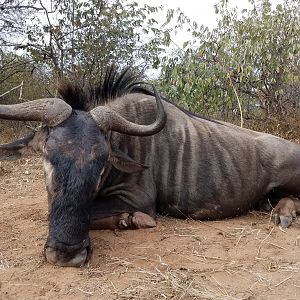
108,119
50,111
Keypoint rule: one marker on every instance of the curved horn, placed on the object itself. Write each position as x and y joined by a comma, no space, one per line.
51,111
108,119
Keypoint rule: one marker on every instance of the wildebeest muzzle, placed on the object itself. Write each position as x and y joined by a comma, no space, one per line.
64,255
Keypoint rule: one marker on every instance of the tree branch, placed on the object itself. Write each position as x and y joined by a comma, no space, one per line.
14,88
2,7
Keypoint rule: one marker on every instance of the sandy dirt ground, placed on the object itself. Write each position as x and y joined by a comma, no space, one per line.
242,258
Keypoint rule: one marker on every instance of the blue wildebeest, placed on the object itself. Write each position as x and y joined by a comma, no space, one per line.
114,158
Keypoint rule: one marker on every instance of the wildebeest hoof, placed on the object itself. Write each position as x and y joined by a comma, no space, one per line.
135,220
284,212
141,220
286,221
124,221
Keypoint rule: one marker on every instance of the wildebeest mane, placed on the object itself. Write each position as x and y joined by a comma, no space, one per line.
111,86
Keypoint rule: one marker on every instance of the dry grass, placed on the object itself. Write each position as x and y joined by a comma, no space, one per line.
3,263
167,283
159,279
287,128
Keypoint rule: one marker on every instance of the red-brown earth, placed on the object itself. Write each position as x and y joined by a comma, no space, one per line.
242,258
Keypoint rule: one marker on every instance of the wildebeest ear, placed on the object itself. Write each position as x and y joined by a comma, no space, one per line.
33,141
125,163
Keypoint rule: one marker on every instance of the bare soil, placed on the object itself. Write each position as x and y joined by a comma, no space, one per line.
242,258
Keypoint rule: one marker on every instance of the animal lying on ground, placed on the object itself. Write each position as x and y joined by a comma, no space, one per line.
115,156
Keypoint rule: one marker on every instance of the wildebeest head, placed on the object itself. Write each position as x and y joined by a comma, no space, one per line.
76,152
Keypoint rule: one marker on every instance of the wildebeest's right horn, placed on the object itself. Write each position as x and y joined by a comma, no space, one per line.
108,119
50,111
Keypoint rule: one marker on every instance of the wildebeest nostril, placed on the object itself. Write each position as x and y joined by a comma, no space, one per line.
57,257
64,255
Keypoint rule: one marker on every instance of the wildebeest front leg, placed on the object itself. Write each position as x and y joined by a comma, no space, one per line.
124,206
285,211
115,212
134,220
141,220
